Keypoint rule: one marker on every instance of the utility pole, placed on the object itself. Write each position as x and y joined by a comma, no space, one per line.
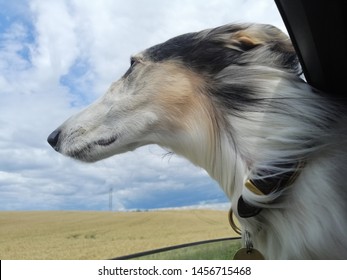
110,198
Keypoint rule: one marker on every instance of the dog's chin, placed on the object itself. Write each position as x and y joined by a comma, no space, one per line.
98,151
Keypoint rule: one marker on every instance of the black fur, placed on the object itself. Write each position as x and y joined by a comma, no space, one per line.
201,54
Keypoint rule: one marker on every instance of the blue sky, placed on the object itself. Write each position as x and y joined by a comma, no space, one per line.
58,56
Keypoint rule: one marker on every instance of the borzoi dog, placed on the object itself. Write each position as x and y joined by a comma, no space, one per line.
231,100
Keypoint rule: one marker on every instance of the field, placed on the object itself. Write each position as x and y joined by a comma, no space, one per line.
103,235
221,250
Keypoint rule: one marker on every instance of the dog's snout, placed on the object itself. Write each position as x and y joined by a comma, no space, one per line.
53,138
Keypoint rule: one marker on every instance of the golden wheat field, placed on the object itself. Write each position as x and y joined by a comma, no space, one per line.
103,235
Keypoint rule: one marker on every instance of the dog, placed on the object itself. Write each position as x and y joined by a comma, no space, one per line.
232,100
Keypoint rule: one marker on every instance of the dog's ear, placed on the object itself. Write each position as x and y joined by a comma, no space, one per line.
261,34
246,42
270,45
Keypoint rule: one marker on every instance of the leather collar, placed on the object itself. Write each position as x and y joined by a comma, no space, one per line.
271,183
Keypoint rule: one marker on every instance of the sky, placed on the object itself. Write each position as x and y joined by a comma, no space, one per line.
58,56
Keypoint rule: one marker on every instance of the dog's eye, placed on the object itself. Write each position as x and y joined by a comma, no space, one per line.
133,62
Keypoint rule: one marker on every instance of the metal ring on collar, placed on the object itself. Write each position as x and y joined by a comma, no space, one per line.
232,222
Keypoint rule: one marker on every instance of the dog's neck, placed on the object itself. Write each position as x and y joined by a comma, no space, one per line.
227,167
217,154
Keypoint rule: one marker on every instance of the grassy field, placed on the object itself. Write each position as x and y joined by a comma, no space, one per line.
103,235
222,250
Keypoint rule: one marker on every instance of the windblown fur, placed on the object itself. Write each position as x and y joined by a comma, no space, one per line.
231,100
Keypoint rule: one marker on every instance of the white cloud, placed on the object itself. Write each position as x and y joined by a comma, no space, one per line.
56,56
56,43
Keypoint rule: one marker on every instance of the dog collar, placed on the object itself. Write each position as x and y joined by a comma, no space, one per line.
270,184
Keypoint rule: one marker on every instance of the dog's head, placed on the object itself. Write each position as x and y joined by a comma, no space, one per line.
167,95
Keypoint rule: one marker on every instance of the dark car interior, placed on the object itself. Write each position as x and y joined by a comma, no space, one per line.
318,31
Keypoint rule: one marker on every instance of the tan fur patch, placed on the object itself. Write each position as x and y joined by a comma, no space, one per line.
179,93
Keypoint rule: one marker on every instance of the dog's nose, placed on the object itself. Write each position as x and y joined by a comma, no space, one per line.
53,138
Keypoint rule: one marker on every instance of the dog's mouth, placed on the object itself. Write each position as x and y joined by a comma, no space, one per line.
86,152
